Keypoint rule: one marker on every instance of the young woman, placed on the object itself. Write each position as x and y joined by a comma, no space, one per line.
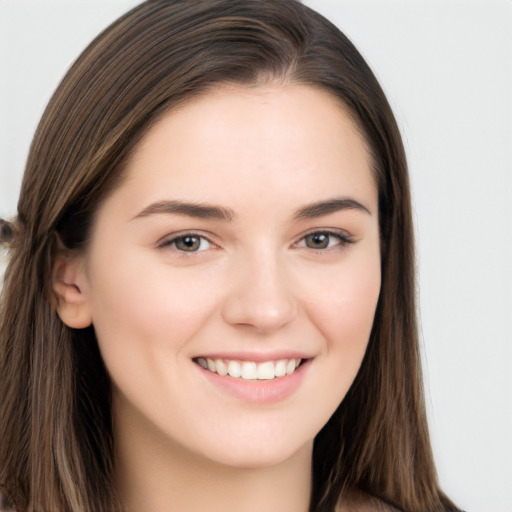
210,298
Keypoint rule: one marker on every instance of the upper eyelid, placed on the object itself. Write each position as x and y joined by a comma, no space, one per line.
343,234
344,241
168,239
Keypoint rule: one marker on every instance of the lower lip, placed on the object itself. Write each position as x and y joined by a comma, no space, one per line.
259,391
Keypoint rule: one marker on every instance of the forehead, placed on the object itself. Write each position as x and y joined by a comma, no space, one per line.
235,141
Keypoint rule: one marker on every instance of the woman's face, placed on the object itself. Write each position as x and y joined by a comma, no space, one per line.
245,238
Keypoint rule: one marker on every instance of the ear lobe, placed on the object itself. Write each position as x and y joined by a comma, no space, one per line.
72,306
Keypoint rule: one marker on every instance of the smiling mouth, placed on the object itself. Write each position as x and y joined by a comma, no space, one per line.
250,370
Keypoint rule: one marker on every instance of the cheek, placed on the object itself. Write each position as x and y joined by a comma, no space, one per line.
344,310
341,309
151,307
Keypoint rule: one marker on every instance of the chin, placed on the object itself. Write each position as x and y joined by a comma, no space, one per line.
260,455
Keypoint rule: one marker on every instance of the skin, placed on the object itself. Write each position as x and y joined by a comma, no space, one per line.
257,285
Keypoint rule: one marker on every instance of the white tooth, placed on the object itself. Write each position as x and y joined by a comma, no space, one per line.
297,362
222,369
211,365
266,370
280,369
202,362
234,369
290,366
249,371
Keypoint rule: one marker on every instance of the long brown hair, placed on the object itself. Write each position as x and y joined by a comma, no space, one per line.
56,445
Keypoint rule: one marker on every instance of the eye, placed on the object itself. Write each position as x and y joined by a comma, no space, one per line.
321,240
188,242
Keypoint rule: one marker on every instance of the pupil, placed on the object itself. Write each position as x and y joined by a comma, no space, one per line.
319,241
188,243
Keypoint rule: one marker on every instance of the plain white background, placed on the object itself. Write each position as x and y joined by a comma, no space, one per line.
446,67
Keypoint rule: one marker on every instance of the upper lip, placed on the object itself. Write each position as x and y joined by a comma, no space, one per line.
258,357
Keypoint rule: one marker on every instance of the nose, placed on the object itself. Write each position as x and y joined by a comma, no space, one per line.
260,295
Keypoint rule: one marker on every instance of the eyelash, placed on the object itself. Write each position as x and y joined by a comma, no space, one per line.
169,242
343,239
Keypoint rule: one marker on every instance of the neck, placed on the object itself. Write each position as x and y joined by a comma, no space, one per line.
155,474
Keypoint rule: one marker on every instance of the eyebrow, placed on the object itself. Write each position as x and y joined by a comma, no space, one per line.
208,211
321,208
195,210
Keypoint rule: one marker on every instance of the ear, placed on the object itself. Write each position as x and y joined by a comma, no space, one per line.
67,282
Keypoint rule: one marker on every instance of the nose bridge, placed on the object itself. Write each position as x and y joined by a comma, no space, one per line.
260,292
